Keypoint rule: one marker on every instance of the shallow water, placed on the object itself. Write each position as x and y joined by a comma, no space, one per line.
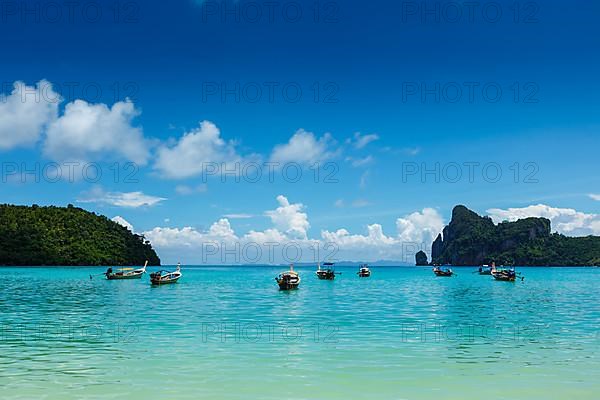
229,333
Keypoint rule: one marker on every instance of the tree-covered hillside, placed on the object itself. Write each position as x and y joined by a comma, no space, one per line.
67,236
470,239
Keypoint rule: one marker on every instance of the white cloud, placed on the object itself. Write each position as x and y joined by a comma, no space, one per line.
119,199
304,148
371,247
123,222
185,190
290,225
88,132
222,230
266,236
360,162
25,113
595,196
420,227
289,218
174,237
415,231
195,151
564,220
238,216
360,141
339,203
375,237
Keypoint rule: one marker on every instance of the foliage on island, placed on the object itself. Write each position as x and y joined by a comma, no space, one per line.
421,258
470,239
67,236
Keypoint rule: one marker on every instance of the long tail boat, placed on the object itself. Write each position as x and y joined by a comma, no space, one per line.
288,280
364,271
164,277
442,272
328,273
505,274
125,273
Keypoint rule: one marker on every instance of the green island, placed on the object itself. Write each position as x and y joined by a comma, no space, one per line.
68,236
470,239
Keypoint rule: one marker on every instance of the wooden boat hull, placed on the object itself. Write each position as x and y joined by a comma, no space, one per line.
164,281
364,274
443,273
115,277
326,275
165,277
288,281
504,278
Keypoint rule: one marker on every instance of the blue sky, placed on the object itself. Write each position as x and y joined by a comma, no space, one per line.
373,92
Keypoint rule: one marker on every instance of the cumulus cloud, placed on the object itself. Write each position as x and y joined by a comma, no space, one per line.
83,132
290,225
162,237
93,131
373,246
119,199
289,218
420,227
567,221
123,222
304,148
290,228
25,113
415,231
194,151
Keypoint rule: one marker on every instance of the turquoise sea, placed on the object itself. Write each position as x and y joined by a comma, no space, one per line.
229,333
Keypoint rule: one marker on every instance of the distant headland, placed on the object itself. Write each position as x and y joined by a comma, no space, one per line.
68,236
470,239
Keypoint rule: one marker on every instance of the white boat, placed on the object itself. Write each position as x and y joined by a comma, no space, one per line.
125,273
164,277
364,271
